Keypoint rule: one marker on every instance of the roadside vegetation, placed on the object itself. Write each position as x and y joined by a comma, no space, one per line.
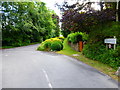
96,48
67,50
24,23
99,25
52,44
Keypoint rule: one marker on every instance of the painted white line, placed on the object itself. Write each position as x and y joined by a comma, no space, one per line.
50,85
47,78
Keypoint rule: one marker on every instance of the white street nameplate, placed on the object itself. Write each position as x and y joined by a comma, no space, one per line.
110,41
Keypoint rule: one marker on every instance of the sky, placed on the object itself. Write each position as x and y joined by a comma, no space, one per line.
51,5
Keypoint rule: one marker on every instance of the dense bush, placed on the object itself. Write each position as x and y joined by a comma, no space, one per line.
56,46
99,52
101,32
52,44
74,21
61,38
96,48
77,36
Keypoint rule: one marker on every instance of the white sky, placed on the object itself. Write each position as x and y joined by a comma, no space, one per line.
51,5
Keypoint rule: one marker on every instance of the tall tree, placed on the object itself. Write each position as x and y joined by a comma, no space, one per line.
26,22
82,17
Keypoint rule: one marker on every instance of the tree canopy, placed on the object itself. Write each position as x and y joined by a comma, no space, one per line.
83,17
27,22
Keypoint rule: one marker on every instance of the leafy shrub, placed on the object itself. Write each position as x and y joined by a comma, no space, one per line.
47,44
61,38
41,48
53,44
77,36
56,46
99,52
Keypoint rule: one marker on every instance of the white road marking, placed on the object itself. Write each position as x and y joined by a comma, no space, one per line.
48,80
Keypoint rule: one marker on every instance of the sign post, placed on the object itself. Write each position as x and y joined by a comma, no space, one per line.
114,44
110,41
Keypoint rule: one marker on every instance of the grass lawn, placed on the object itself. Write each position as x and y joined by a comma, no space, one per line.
67,50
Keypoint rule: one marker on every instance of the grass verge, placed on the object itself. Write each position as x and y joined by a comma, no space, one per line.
67,50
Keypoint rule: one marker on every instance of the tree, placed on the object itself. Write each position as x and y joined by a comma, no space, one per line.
26,22
56,32
74,19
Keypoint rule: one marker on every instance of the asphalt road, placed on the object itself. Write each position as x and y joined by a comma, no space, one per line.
24,67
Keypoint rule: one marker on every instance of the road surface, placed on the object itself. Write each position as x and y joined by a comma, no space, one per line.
24,67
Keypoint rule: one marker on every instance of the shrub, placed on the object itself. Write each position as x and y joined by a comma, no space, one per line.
49,45
41,48
77,36
96,49
99,52
56,46
61,38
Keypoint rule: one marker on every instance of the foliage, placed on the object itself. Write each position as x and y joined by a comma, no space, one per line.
113,5
52,44
61,38
86,6
96,49
99,52
56,46
74,19
56,31
41,48
67,50
27,22
77,36
100,32
84,22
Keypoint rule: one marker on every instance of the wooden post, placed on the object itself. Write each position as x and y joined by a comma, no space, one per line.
80,45
106,46
114,44
117,10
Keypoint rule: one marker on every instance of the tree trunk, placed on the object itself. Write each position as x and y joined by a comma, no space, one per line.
101,6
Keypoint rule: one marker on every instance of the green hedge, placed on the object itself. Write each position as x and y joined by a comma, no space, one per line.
52,44
77,36
110,57
56,46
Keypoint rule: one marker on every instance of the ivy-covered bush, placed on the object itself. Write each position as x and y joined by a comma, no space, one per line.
77,36
52,44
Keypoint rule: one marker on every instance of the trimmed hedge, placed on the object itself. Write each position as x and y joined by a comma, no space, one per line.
56,46
52,44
